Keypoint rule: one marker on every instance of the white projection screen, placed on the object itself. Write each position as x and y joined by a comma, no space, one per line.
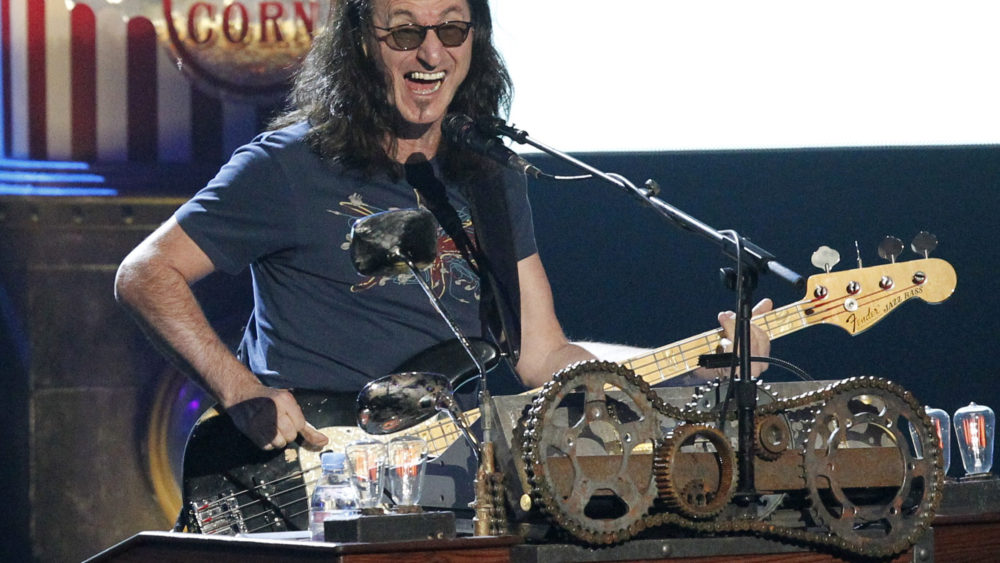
651,75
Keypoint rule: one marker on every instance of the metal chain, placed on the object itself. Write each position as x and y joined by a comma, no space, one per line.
498,514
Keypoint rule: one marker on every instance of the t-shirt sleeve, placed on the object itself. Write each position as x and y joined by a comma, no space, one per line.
244,212
520,215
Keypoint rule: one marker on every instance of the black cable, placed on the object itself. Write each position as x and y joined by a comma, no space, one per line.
737,333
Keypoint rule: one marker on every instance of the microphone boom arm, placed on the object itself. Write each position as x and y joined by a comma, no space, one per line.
745,251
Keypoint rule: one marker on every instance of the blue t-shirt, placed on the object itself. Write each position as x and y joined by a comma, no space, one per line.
317,323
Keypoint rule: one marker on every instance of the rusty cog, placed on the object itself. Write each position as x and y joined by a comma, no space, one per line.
695,469
588,449
877,510
774,436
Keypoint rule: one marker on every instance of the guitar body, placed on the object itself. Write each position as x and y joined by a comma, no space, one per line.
232,486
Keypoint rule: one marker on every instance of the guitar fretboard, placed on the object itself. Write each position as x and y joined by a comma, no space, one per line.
681,357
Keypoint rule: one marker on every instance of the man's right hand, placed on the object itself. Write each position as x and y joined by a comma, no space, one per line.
272,419
153,283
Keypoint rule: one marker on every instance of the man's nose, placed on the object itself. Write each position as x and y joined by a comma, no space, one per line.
431,50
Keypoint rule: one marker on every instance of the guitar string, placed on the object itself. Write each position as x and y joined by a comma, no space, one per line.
280,509
694,347
207,506
267,512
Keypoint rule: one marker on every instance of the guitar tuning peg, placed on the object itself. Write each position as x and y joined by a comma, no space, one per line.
890,248
825,258
924,243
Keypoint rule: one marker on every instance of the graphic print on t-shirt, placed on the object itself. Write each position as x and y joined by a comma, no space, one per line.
450,274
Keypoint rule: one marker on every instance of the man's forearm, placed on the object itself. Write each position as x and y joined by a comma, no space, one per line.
555,360
162,303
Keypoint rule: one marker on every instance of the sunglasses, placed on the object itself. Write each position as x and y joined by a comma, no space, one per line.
409,36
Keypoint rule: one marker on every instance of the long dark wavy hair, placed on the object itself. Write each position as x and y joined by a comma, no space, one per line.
344,97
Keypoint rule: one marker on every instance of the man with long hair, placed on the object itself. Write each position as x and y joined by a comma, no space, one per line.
362,135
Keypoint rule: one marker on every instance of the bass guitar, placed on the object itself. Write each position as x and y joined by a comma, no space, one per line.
231,486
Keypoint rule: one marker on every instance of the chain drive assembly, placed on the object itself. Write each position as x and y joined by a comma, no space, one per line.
615,448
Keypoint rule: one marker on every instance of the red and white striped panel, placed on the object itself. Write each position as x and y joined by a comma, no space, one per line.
89,84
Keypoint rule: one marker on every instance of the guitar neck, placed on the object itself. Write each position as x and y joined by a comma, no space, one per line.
681,357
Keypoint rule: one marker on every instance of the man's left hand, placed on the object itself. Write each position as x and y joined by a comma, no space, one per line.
760,342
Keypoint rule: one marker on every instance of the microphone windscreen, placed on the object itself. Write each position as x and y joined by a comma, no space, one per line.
456,126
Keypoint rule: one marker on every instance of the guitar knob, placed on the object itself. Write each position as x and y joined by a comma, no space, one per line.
919,278
924,243
853,288
825,258
820,292
885,282
890,248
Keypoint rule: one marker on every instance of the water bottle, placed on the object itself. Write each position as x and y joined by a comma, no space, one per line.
333,498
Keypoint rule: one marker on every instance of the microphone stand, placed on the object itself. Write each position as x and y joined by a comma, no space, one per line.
751,260
486,520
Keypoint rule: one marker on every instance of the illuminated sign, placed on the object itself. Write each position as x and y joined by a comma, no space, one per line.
240,48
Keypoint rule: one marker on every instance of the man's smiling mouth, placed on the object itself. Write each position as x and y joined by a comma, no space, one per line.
424,82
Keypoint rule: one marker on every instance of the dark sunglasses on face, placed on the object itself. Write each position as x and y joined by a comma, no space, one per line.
409,36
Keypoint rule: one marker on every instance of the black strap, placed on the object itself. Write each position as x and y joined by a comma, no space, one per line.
435,197
493,258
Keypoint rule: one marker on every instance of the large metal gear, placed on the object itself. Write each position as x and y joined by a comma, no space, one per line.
893,502
589,454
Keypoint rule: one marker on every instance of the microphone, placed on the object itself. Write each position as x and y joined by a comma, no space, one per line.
461,130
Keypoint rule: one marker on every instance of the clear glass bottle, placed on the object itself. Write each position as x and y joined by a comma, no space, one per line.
333,498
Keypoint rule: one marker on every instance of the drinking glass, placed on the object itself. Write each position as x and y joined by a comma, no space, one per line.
407,458
365,468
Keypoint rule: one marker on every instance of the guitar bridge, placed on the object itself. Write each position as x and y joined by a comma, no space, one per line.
221,516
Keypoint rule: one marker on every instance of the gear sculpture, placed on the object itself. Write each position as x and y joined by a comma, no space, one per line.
573,463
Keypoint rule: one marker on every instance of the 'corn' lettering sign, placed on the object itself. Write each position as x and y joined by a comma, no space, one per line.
235,48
